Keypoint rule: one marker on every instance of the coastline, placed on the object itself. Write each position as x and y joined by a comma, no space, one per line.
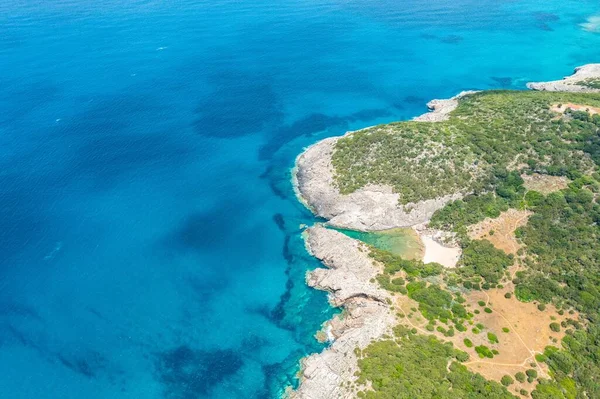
330,374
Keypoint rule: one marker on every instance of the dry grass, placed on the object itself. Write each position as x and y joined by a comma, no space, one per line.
544,184
561,108
500,231
529,333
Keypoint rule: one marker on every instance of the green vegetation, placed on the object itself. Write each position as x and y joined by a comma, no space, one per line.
505,329
493,338
493,129
506,380
434,302
468,343
481,259
396,370
484,351
591,83
394,263
509,192
488,143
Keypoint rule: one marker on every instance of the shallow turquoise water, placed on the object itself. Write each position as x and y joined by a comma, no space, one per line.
403,242
149,241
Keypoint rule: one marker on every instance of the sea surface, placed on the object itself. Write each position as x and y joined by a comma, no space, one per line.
149,236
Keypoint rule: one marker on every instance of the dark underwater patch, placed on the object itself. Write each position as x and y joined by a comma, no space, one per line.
88,365
238,106
306,126
414,100
23,218
188,373
451,39
503,81
209,229
543,20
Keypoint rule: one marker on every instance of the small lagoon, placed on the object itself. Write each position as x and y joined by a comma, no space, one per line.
402,242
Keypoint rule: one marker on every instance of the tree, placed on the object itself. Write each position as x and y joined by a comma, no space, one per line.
506,380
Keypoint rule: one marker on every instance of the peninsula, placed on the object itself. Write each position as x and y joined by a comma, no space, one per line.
502,187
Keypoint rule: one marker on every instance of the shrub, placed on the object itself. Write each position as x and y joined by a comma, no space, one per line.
487,310
541,307
506,380
484,351
505,329
468,343
555,327
520,376
493,338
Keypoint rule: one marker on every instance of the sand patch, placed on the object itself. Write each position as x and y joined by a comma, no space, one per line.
436,252
501,230
592,24
544,184
561,108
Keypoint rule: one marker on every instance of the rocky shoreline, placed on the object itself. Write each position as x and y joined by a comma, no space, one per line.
371,208
367,315
349,277
571,83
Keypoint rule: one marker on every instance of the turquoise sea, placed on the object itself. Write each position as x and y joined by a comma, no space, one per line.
149,236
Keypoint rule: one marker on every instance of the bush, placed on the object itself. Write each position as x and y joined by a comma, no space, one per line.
484,351
505,329
506,380
531,373
481,303
555,327
508,295
520,376
541,307
493,338
468,343
487,310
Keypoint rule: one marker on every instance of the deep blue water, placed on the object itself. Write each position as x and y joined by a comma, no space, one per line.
149,237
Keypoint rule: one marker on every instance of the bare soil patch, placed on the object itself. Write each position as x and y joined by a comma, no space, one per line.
544,184
561,108
528,333
501,230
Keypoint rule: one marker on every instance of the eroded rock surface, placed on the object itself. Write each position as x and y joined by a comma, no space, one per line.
366,317
571,83
373,207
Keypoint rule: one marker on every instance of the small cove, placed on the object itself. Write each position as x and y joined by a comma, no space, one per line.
404,242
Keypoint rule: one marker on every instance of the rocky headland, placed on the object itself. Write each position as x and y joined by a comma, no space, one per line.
577,82
349,276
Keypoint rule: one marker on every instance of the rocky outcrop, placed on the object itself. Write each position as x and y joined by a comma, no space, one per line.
368,208
571,83
373,207
366,317
440,109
